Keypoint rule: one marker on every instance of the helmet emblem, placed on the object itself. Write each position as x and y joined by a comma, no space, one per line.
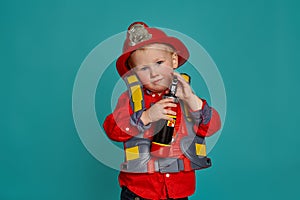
138,33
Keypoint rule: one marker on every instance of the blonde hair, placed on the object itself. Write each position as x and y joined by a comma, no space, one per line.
164,47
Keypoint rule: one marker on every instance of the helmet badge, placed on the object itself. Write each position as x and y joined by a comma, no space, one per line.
138,33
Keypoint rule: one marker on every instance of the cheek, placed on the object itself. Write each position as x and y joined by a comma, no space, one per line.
167,70
144,77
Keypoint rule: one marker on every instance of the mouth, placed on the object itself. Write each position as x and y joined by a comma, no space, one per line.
156,81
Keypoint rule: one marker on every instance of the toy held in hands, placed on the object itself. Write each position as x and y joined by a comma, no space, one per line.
161,142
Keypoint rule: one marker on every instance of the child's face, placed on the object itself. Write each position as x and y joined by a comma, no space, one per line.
154,65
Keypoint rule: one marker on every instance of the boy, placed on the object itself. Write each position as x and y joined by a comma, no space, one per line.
147,66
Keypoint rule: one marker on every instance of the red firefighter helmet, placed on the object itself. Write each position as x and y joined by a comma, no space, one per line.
139,35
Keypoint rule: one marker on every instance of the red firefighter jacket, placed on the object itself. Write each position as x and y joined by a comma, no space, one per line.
122,125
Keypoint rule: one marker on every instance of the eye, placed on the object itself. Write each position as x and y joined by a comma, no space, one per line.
144,68
160,62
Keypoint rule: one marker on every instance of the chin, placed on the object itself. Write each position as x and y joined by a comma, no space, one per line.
157,89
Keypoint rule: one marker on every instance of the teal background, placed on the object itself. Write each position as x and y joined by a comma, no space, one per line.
255,45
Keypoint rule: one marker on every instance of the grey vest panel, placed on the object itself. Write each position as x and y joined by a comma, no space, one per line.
188,147
166,165
169,165
138,165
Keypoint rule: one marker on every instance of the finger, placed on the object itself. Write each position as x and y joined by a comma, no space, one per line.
171,105
179,77
176,73
170,112
164,111
183,82
184,86
167,100
167,117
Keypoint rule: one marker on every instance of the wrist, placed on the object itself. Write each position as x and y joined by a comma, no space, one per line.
145,118
194,102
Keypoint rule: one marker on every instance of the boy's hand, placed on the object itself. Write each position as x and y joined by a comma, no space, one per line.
159,111
185,93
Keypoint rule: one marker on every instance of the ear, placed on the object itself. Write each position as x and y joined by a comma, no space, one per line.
174,60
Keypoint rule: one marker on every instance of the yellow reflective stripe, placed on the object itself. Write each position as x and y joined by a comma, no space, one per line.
186,77
137,97
132,79
171,116
200,149
132,153
165,145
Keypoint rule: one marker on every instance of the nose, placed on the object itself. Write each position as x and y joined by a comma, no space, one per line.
153,71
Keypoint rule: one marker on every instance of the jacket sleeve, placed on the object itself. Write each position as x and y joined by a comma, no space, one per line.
206,121
123,124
